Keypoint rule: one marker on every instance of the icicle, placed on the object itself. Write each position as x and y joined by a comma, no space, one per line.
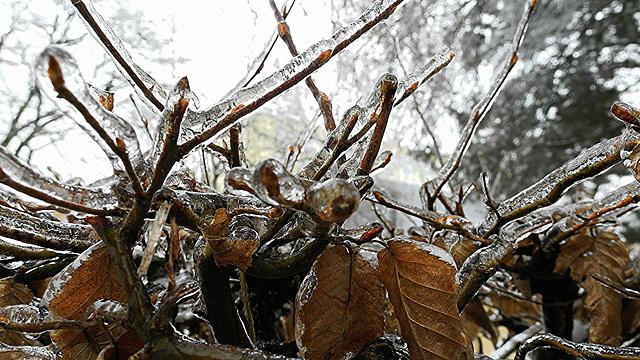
114,126
98,198
309,60
110,41
154,236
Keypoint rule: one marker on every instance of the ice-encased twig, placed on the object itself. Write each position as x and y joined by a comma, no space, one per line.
477,114
145,86
410,82
46,233
549,189
202,125
107,124
99,198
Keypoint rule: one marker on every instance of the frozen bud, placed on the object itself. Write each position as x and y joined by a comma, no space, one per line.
276,186
334,200
240,178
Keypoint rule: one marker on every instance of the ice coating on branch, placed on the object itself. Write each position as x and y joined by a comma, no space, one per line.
541,189
51,234
83,7
330,201
174,109
294,71
19,171
556,219
367,117
114,126
410,82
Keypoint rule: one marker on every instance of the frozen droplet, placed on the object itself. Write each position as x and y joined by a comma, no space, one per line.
334,200
276,186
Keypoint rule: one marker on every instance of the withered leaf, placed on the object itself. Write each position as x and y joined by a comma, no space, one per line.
12,293
92,276
420,279
339,307
236,248
85,344
603,254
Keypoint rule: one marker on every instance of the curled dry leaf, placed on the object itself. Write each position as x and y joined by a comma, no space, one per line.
236,248
339,307
420,279
603,254
12,293
92,276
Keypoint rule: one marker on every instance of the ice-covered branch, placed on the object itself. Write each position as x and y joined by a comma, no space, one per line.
410,82
203,125
549,189
146,87
46,233
101,199
431,189
59,77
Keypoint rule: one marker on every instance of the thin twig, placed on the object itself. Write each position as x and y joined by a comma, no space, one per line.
323,100
479,112
88,17
7,180
118,146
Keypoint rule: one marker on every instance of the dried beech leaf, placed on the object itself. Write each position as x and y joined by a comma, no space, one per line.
236,248
85,344
516,308
12,293
90,277
476,318
603,254
127,344
420,280
339,307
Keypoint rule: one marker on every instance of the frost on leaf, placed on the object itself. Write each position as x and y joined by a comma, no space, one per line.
342,309
236,248
90,277
420,279
603,254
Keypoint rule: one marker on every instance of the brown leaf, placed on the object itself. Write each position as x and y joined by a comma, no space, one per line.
420,279
475,318
235,249
127,344
90,277
603,254
516,308
339,307
12,293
